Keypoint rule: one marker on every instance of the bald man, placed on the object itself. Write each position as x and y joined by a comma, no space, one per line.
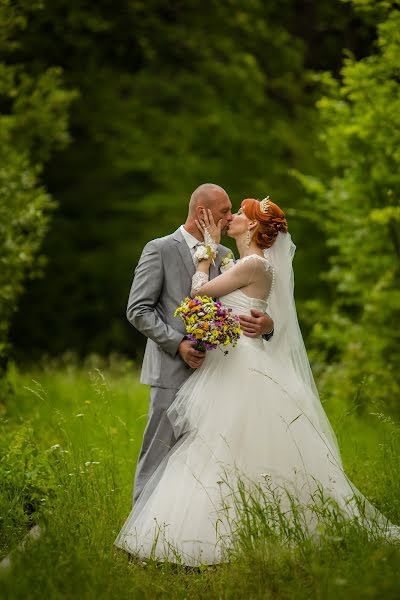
162,280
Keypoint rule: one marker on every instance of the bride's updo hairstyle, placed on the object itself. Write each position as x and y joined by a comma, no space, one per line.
270,218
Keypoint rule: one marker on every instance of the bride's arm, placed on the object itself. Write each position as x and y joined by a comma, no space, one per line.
237,277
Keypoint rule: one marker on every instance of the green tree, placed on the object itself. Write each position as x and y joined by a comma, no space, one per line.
357,334
33,122
171,95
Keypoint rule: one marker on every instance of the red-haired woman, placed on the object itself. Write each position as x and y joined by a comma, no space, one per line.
251,418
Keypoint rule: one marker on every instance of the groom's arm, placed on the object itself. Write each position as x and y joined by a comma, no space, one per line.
145,292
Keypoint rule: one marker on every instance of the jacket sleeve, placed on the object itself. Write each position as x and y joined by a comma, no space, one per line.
145,292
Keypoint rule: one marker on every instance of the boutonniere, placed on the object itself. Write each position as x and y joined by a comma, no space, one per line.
228,262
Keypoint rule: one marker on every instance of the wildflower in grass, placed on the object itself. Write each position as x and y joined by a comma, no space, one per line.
208,323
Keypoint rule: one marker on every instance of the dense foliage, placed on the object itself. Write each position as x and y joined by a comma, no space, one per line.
171,95
358,209
33,122
166,98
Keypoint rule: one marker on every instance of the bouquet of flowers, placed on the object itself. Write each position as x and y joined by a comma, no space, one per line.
208,323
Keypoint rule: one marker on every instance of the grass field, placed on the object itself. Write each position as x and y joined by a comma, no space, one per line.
69,439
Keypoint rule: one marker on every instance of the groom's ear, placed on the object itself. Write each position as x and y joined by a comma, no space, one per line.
199,211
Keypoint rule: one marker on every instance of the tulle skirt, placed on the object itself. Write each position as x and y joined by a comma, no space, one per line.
243,417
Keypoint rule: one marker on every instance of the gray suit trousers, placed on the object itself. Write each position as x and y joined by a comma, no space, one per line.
158,437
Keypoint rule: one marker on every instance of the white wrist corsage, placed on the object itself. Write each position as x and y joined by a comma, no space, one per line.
227,263
203,252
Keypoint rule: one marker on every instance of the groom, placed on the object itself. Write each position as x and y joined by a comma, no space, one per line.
162,280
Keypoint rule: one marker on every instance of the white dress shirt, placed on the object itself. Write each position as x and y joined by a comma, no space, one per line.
191,241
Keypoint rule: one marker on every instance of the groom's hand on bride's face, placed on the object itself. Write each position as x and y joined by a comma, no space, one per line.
189,355
257,324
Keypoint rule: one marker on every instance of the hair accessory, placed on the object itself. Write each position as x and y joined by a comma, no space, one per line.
264,205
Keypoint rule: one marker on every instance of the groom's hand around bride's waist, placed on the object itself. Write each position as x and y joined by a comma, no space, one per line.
257,324
189,355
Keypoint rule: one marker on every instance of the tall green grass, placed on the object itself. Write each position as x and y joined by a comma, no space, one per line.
69,442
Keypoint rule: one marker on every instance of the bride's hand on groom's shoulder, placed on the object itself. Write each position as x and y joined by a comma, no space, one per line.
207,226
193,358
257,324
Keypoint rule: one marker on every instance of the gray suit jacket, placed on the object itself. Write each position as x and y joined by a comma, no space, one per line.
163,278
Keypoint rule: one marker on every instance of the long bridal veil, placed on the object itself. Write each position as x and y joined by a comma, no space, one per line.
287,342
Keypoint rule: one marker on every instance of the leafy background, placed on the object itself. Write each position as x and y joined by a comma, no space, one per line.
112,114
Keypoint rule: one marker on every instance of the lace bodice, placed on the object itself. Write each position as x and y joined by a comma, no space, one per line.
242,303
264,260
245,286
267,265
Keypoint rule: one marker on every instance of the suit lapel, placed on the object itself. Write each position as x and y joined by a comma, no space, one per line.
187,259
184,251
214,270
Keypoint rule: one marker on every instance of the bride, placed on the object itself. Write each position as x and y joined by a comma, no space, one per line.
253,415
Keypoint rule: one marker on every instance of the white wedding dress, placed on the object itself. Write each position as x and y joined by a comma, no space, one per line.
246,415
